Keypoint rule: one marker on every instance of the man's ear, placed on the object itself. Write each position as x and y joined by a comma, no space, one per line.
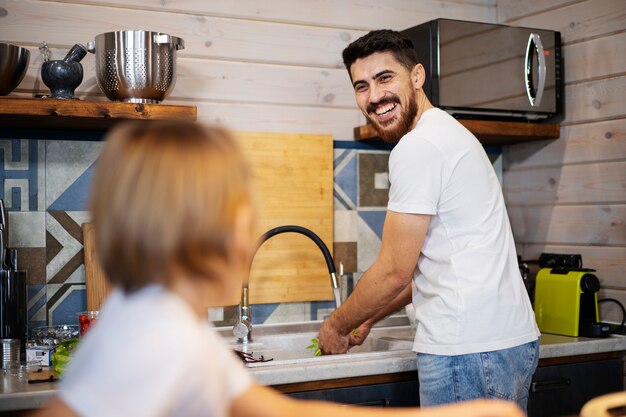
418,76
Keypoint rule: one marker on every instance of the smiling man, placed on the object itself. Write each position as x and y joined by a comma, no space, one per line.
447,244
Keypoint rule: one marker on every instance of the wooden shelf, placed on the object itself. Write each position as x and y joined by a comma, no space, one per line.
488,132
20,113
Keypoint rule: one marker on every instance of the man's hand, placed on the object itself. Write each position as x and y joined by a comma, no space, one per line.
332,342
358,335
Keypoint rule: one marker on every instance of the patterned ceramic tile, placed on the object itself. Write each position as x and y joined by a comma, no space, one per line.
69,166
345,253
345,173
320,310
375,220
373,179
261,312
27,229
33,261
20,174
368,246
64,301
345,223
64,249
36,306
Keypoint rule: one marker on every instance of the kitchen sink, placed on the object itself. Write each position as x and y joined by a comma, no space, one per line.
286,344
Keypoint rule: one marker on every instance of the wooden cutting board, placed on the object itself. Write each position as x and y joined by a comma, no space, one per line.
293,174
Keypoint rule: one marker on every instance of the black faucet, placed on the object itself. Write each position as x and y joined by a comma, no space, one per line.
245,313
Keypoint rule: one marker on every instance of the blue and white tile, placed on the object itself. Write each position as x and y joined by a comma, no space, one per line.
65,260
27,229
36,306
284,312
369,240
69,168
21,174
64,301
345,223
79,217
345,179
373,179
320,310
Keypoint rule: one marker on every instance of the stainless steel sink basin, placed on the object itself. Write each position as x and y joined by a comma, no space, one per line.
286,344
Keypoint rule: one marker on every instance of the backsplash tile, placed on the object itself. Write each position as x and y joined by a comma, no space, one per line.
345,177
20,160
36,306
373,179
69,166
64,301
64,249
345,253
46,187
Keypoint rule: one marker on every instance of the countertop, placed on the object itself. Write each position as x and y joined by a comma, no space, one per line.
17,394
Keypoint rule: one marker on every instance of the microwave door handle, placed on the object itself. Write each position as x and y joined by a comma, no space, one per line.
535,46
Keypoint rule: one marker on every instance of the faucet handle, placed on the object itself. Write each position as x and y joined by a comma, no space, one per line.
240,330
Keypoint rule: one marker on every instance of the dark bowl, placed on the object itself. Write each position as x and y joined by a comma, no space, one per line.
13,66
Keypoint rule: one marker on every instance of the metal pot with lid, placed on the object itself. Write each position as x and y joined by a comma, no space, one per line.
136,66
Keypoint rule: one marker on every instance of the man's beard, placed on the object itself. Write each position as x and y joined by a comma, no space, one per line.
406,119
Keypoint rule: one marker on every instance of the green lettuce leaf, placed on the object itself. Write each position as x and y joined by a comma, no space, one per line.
62,355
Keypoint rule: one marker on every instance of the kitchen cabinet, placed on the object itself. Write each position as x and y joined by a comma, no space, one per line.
394,390
47,118
488,132
560,386
395,394
562,389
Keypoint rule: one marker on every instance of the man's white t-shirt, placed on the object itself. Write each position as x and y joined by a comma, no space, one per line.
149,355
468,293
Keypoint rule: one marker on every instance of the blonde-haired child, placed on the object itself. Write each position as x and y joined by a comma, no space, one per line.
173,214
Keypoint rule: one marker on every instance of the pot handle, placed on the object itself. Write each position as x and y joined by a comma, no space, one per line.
167,39
91,47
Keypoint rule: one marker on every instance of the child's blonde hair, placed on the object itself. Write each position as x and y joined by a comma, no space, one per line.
164,200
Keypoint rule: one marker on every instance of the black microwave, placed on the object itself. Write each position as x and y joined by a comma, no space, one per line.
490,71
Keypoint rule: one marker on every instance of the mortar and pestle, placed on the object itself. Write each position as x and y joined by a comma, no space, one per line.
63,76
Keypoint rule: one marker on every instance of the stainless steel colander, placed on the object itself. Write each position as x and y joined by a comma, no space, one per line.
136,66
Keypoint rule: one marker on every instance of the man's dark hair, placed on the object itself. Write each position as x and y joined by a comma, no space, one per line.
381,41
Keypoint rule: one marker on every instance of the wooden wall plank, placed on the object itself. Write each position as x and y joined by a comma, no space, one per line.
289,119
600,183
589,142
595,58
609,262
601,225
31,22
579,20
595,100
200,79
358,14
217,37
509,10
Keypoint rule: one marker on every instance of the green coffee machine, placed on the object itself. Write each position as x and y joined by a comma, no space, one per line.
566,301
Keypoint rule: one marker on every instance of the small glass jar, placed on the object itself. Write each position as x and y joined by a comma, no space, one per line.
86,320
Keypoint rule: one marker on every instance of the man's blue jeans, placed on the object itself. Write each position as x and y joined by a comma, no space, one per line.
504,374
